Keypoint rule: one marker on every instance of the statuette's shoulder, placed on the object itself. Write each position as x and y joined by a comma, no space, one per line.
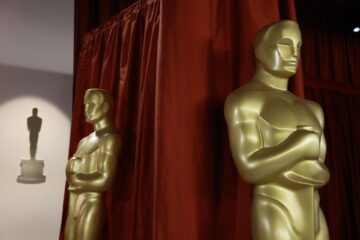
243,104
316,109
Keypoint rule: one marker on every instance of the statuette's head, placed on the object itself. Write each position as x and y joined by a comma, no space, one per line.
98,105
277,48
34,111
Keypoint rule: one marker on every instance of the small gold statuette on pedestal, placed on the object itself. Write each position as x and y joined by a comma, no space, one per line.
32,169
277,141
92,169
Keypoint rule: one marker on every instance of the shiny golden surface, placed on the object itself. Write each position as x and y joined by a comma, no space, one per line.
91,170
277,141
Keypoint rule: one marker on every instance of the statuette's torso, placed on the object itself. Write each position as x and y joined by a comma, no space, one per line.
87,155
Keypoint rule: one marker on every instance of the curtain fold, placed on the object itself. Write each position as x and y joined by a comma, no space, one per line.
89,14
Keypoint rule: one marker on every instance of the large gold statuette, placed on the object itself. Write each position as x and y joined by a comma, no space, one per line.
277,141
92,169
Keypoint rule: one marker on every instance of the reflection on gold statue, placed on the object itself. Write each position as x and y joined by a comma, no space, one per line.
91,170
277,141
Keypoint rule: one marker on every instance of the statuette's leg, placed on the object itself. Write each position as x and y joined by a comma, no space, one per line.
271,221
323,233
91,215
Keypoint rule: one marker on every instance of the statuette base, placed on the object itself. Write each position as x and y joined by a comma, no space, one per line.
31,171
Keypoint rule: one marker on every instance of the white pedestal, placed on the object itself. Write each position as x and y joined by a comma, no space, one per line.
31,171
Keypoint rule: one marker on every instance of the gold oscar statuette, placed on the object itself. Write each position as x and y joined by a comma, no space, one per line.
92,169
277,141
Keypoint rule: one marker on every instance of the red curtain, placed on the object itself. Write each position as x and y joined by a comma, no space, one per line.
170,64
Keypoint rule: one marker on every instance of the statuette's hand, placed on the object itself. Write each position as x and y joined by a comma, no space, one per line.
74,165
305,127
75,188
309,141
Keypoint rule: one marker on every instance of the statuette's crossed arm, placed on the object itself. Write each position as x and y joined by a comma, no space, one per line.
254,161
100,180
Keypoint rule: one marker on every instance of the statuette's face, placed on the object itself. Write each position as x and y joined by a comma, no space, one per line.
278,49
95,107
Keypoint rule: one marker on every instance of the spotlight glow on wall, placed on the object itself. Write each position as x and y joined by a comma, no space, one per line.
356,29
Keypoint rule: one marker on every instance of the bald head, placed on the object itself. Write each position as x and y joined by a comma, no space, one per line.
277,47
272,32
98,104
100,96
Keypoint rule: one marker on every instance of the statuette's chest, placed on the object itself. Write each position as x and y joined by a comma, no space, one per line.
279,118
